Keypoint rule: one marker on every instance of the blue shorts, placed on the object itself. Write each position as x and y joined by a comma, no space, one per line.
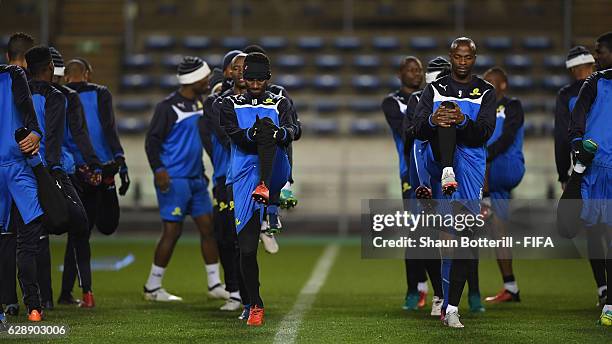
505,173
596,190
417,172
18,184
242,188
186,196
469,173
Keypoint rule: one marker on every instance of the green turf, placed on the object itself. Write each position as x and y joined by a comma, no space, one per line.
360,302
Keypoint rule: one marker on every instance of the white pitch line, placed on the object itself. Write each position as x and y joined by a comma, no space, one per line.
289,326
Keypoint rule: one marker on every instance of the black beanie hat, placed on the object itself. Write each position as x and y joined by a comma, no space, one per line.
257,66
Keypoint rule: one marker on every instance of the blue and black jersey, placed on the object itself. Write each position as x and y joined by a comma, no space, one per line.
590,118
16,111
394,107
174,140
220,145
50,106
238,114
566,99
507,139
97,103
77,135
476,100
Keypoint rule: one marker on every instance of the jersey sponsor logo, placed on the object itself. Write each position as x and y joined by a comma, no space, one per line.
177,212
475,92
406,187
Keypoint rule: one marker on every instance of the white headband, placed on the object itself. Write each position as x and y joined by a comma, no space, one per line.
58,71
578,60
195,76
431,76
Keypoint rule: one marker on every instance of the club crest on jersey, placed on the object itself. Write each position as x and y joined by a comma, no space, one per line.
501,108
200,105
268,101
177,212
475,92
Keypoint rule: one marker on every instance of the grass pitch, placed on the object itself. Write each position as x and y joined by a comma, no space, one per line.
360,302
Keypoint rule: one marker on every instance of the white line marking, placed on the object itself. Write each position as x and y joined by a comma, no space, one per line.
289,326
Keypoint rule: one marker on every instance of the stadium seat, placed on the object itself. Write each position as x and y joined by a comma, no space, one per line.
549,105
365,127
328,62
323,127
366,62
171,62
529,129
347,43
167,8
214,60
136,82
385,43
365,83
423,43
529,105
555,82
134,105
396,60
554,62
327,106
537,43
498,43
310,43
326,82
547,129
197,42
520,82
365,105
290,62
159,42
132,125
300,106
484,62
311,9
168,82
273,43
231,43
393,83
291,81
137,61
517,61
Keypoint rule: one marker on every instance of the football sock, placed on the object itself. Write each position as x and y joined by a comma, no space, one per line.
452,309
155,277
444,145
510,284
212,270
601,290
473,277
235,295
433,270
422,287
445,271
